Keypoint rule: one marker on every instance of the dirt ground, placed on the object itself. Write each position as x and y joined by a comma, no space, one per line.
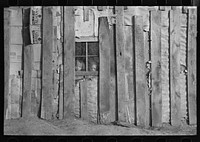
35,126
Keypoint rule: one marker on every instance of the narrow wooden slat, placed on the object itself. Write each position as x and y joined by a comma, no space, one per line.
84,109
140,81
104,73
69,52
191,61
156,68
47,46
26,106
120,62
61,105
6,58
175,67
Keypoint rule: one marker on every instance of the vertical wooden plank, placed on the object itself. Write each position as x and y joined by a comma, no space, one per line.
84,109
175,67
26,106
120,63
156,68
119,11
47,44
191,61
69,51
147,91
140,81
104,73
6,58
112,76
61,105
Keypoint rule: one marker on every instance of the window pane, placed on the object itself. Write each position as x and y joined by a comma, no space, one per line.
93,63
93,48
80,63
80,48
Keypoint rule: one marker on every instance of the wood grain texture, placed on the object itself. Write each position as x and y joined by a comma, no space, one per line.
112,77
175,67
47,46
6,58
61,96
165,65
26,106
119,11
140,81
192,44
156,68
84,108
69,52
104,72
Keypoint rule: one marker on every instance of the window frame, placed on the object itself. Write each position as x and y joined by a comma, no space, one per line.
87,40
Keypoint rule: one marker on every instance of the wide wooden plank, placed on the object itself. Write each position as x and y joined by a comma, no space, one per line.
47,45
104,73
156,104
84,109
175,67
191,61
6,58
113,76
69,60
140,81
119,11
26,106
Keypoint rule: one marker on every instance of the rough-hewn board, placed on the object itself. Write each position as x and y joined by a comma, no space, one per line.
69,51
33,95
192,96
112,77
119,11
156,68
83,90
61,100
47,44
6,58
165,65
26,106
104,54
140,81
129,83
92,90
183,76
175,67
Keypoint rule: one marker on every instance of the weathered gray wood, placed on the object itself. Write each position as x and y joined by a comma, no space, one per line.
61,105
156,68
192,45
26,106
47,45
175,67
112,76
84,109
69,60
119,11
104,73
140,81
6,58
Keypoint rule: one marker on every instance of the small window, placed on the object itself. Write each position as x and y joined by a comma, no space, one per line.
86,58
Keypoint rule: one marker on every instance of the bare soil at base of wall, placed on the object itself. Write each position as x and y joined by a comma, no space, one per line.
73,126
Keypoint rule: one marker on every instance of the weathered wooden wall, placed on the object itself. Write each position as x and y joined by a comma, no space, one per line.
128,38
